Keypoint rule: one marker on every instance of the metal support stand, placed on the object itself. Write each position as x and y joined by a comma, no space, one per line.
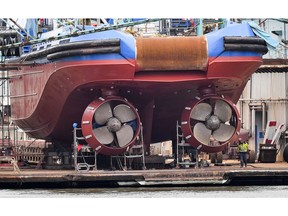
131,153
183,158
75,146
81,166
118,159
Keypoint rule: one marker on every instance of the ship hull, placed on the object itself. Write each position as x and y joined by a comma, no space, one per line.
49,97
68,91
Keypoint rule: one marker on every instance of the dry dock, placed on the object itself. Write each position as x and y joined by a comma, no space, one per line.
225,174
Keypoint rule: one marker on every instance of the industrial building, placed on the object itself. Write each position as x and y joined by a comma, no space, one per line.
265,96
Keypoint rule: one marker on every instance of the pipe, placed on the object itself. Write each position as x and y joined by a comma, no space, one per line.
266,100
200,27
263,116
253,123
256,140
242,112
285,39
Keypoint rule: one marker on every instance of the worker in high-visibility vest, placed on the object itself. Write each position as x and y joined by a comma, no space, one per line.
243,150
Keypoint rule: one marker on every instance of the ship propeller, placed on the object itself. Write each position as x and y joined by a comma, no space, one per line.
212,123
113,124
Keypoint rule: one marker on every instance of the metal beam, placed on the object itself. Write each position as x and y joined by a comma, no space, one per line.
21,28
75,34
11,27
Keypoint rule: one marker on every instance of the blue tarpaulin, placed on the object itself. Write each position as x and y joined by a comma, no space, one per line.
272,43
32,27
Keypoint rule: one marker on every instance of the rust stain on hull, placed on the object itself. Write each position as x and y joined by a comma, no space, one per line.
172,53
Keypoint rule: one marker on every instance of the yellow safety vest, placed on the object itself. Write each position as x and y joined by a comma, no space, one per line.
243,147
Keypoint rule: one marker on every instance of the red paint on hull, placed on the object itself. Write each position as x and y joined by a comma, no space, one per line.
47,99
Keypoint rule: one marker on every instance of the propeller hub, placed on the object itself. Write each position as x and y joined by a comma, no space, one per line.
213,122
113,124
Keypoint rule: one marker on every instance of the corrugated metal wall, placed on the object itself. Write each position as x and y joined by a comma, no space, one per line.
269,89
269,85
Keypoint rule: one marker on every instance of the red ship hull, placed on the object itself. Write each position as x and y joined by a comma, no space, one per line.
57,94
160,77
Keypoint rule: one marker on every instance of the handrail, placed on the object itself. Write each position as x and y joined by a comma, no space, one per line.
78,33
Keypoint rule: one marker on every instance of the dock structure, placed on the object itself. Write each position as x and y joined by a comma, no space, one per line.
225,174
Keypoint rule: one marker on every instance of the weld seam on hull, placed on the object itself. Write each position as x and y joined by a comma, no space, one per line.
24,95
29,73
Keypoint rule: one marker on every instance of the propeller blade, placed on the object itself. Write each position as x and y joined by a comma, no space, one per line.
202,133
103,135
133,124
124,135
201,111
223,110
224,132
124,113
103,113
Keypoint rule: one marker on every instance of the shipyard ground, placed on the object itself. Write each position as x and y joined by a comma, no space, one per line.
228,173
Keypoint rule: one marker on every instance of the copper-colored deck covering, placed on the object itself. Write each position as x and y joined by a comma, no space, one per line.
172,53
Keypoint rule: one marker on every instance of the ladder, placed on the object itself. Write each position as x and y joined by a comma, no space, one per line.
183,157
136,151
40,162
84,166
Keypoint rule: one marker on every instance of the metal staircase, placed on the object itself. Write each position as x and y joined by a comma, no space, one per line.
186,155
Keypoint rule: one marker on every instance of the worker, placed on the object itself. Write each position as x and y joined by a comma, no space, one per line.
15,165
243,150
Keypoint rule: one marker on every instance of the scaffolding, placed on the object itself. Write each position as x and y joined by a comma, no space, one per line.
8,137
13,142
135,152
75,32
186,156
83,154
7,129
